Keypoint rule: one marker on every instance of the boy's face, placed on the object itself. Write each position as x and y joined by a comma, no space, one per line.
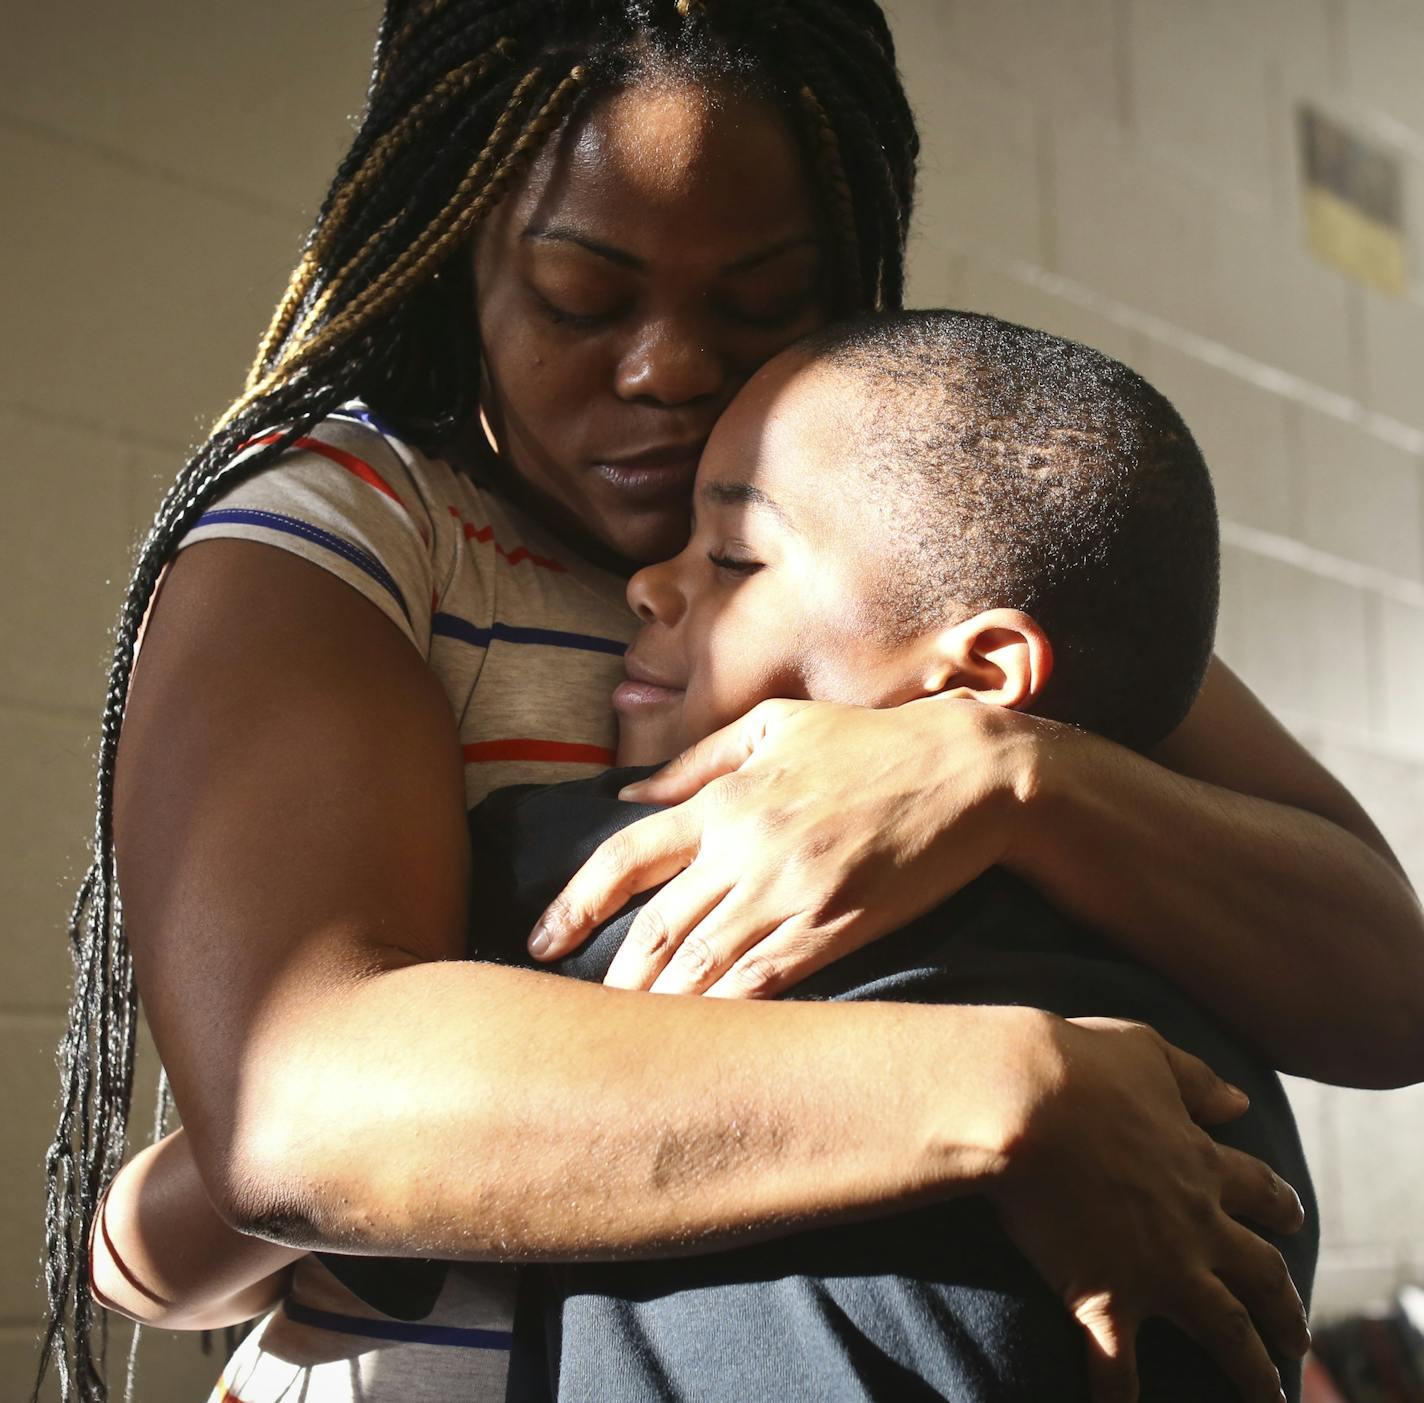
776,594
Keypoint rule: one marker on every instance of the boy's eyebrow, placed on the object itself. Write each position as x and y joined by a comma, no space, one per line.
743,494
567,234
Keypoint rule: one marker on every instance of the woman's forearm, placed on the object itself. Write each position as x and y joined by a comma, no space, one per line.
1294,931
535,1117
162,1255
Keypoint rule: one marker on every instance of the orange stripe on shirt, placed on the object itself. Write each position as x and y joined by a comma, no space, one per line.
225,1394
485,535
487,752
358,467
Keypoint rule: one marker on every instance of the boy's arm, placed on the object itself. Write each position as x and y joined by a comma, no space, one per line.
161,1255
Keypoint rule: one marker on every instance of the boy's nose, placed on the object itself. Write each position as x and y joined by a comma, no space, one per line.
653,594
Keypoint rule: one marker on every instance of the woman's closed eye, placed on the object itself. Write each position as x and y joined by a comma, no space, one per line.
577,317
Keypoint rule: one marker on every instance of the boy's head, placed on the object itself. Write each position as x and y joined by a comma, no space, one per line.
934,503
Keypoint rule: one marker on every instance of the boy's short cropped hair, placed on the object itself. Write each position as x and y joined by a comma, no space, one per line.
1025,471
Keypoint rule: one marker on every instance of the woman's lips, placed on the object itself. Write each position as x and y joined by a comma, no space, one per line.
658,476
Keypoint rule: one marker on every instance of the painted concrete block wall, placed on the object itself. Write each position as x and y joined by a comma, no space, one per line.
1120,171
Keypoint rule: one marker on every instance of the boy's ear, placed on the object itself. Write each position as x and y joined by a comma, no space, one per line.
1001,657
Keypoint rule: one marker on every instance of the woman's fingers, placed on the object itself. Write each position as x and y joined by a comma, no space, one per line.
1112,1350
660,931
713,756
1209,1100
645,853
1257,1275
1222,1326
1252,1190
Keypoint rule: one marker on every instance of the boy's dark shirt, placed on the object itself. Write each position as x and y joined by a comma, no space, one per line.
930,1303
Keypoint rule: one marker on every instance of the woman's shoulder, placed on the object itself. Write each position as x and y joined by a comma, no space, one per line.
423,540
351,496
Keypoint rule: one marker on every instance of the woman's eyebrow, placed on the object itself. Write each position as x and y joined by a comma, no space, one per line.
739,494
563,234
567,234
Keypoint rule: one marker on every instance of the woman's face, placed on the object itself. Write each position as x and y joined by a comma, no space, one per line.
660,251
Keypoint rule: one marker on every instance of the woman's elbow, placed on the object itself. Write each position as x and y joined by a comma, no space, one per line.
1402,1059
259,1189
285,1179
1383,1052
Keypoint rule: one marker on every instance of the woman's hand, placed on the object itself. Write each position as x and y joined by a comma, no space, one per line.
800,833
1127,1208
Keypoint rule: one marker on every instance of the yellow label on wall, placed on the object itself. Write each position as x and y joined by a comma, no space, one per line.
1353,203
1339,233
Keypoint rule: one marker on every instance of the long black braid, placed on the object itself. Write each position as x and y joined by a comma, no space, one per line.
462,96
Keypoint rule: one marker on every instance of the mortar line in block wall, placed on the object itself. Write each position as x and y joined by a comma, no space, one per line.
1319,562
246,200
48,1019
1267,377
86,714
122,437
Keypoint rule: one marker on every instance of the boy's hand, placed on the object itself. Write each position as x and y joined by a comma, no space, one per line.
799,833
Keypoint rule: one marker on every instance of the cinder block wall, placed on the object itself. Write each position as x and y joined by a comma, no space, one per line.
1121,171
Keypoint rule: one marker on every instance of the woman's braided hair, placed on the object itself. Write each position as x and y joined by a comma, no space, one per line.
463,95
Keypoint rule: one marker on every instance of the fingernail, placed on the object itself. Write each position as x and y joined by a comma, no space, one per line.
539,941
631,791
1237,1092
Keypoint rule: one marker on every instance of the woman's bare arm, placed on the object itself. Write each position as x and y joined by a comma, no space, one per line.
1248,874
294,857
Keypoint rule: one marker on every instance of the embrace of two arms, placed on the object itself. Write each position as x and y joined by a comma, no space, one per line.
304,1058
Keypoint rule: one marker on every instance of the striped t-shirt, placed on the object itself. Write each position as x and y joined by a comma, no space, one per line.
527,640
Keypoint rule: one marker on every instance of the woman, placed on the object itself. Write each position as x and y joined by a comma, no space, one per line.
664,195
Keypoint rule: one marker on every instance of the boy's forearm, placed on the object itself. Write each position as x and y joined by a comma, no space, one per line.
163,1256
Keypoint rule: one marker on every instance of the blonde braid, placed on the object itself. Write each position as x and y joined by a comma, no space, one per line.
459,216
318,309
832,167
449,87
412,261
338,280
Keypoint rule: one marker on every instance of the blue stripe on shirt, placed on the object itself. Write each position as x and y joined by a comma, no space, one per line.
276,521
454,1336
452,626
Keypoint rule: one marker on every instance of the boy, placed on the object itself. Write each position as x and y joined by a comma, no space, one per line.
926,504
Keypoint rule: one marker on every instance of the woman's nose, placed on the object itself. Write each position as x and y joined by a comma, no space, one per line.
653,594
671,364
